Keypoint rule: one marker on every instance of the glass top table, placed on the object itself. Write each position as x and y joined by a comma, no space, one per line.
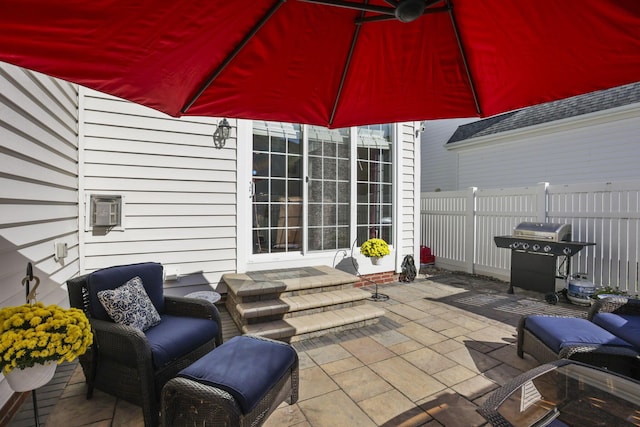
565,393
212,297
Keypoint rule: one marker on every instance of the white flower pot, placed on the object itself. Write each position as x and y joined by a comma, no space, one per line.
31,378
376,260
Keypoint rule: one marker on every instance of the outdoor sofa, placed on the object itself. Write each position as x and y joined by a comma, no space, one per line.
608,338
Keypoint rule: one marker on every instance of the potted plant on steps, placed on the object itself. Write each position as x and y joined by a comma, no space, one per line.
375,249
34,338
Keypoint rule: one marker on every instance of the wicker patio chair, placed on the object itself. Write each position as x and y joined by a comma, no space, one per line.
615,304
124,361
617,355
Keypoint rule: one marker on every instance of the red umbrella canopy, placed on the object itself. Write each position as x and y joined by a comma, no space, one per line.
335,63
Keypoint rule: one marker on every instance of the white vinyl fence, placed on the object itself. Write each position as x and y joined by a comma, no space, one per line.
459,227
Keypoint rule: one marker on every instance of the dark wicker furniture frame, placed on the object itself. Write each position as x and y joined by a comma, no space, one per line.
489,409
618,359
120,363
190,403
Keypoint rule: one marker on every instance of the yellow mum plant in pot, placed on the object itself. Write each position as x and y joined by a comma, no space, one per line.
34,337
375,249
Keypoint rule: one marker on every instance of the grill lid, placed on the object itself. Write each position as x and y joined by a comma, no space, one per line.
543,231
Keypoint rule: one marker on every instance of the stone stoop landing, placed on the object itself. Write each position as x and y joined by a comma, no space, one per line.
298,303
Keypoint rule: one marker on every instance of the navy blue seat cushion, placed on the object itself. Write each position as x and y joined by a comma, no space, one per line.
176,336
625,326
560,332
112,277
245,367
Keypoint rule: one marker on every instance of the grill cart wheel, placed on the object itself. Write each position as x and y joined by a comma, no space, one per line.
551,298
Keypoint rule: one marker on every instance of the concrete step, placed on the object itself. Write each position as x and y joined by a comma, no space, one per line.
312,325
300,304
284,282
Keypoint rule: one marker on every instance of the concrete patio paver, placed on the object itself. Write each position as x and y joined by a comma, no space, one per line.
445,343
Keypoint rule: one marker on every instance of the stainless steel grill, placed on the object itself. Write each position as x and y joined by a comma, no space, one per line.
535,247
543,231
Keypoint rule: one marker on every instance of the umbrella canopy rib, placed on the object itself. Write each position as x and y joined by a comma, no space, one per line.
464,58
233,54
379,18
355,6
354,40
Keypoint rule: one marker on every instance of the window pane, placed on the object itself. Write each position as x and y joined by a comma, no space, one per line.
315,167
344,192
278,215
315,214
260,164
343,214
329,149
344,171
315,147
295,167
329,215
295,145
363,170
295,189
344,151
315,191
343,237
260,143
278,190
278,165
329,193
260,215
329,238
277,144
262,190
329,170
315,239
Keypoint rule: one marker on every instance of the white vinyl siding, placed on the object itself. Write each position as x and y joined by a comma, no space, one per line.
439,165
407,216
179,190
38,186
595,147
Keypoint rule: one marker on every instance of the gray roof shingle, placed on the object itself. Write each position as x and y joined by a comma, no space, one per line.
550,111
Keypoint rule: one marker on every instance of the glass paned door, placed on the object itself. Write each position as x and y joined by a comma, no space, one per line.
374,183
277,193
288,156
329,188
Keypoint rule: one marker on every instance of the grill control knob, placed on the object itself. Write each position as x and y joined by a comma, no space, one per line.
547,248
525,246
566,251
515,245
536,247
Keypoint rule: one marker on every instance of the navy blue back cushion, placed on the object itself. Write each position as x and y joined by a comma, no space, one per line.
113,277
625,326
245,367
176,336
560,332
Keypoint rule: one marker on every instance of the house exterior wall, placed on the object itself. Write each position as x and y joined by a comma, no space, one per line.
179,191
184,199
595,147
38,186
439,165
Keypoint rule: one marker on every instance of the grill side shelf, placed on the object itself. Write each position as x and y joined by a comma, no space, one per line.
542,247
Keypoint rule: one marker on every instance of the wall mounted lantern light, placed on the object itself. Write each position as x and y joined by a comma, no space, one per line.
221,134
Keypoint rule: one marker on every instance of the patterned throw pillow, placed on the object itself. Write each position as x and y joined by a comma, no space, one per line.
130,305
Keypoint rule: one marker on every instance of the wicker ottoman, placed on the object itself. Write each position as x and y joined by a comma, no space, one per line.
239,383
549,338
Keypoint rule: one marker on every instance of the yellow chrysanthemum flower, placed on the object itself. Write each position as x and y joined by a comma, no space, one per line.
36,333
